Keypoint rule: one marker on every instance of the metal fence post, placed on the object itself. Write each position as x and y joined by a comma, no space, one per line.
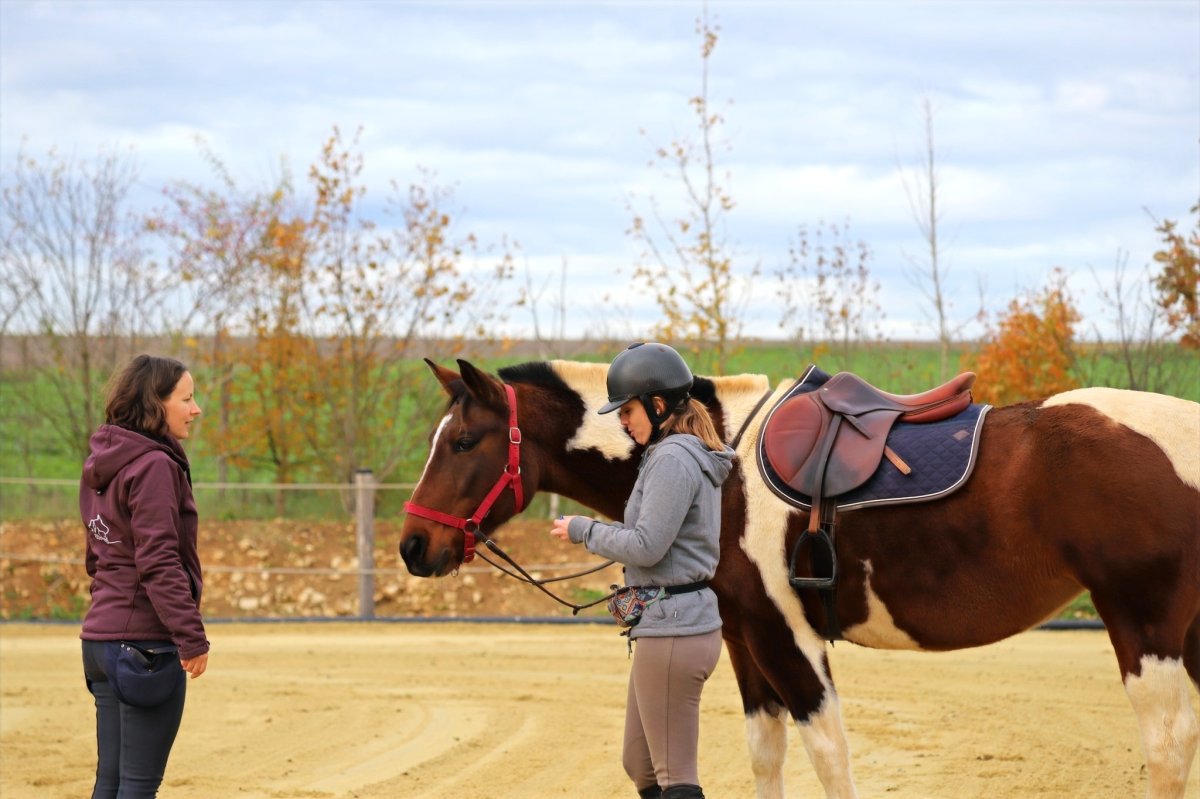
364,509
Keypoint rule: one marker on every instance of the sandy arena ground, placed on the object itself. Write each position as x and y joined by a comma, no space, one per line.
505,711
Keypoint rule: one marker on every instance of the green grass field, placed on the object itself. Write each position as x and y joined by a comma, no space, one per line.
33,448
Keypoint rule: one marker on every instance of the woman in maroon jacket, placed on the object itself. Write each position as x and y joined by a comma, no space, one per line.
135,499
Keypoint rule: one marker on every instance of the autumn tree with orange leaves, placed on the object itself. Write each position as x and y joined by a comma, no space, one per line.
219,239
314,309
1176,285
379,291
1030,352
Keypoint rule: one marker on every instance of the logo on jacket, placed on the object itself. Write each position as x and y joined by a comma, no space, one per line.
100,530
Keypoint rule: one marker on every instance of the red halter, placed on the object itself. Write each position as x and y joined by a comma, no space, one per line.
510,478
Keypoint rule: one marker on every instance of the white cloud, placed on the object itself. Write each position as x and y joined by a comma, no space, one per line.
1055,123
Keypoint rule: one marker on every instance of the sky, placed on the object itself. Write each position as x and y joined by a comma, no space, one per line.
1062,130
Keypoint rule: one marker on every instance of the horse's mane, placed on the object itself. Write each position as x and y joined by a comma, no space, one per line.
537,373
571,375
736,395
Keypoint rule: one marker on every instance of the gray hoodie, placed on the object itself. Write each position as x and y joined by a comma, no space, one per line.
671,533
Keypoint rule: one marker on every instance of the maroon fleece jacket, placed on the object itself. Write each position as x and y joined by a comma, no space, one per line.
135,499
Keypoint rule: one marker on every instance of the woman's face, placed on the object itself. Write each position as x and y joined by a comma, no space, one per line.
181,408
633,418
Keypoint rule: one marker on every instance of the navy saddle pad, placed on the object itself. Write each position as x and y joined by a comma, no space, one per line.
941,455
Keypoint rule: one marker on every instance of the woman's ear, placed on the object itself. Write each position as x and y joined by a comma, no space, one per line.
660,405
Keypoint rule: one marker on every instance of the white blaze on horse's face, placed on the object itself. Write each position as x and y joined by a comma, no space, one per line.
1171,423
437,434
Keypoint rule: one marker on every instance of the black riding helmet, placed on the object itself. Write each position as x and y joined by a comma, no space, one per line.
646,370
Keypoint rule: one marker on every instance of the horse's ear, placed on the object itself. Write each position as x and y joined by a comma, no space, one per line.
447,378
486,388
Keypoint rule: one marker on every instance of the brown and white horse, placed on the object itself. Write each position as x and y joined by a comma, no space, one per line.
1095,489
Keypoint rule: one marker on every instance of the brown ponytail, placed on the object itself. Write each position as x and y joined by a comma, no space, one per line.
694,419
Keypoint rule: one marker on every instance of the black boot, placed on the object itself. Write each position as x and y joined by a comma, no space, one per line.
653,792
683,792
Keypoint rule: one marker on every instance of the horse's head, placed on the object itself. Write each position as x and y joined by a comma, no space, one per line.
472,481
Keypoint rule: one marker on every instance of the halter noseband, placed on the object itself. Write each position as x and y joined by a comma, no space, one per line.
510,478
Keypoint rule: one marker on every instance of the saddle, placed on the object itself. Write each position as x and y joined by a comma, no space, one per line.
825,442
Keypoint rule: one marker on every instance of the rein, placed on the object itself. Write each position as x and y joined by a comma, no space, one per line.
526,577
470,525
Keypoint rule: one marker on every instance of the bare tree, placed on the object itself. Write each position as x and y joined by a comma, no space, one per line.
826,292
76,273
548,344
929,274
1144,355
688,261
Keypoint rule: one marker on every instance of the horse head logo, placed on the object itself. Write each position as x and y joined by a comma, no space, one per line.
99,530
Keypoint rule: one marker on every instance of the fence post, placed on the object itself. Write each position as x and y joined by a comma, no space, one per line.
364,509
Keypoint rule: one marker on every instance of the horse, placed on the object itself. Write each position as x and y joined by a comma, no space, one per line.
1093,489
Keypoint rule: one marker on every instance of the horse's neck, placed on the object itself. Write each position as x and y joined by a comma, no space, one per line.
593,481
597,465
737,398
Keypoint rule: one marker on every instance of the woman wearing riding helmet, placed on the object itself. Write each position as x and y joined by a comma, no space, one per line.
669,539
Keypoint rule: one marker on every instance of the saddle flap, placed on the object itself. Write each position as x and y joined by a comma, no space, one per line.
794,444
790,438
857,451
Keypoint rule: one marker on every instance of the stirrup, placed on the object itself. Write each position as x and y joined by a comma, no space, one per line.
822,538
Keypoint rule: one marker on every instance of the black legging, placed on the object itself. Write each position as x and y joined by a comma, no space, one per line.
132,743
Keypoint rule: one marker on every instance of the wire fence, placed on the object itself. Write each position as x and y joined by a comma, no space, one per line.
277,573
295,564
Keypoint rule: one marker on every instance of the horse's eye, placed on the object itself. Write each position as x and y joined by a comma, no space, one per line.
464,444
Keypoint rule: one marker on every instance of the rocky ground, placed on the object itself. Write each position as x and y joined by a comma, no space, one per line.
299,569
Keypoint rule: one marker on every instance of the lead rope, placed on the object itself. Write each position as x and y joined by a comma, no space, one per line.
526,577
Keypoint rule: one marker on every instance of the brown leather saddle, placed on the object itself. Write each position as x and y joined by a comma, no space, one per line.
827,441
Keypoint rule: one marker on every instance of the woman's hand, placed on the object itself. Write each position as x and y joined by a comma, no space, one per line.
195,666
559,528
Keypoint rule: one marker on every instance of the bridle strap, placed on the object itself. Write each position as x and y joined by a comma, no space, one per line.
511,478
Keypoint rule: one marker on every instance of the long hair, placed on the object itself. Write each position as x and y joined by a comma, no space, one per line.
693,418
136,394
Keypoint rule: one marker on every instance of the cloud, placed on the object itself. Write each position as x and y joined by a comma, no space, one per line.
1055,123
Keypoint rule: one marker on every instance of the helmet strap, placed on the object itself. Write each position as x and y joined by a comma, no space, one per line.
656,418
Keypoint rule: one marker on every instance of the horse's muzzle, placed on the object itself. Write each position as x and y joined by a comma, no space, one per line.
414,551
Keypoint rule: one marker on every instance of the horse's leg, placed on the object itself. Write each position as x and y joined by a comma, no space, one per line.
825,741
766,723
801,678
1191,652
1155,671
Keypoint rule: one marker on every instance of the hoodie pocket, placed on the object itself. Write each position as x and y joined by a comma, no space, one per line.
193,585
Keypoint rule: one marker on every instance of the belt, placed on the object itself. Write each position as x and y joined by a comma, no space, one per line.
686,588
